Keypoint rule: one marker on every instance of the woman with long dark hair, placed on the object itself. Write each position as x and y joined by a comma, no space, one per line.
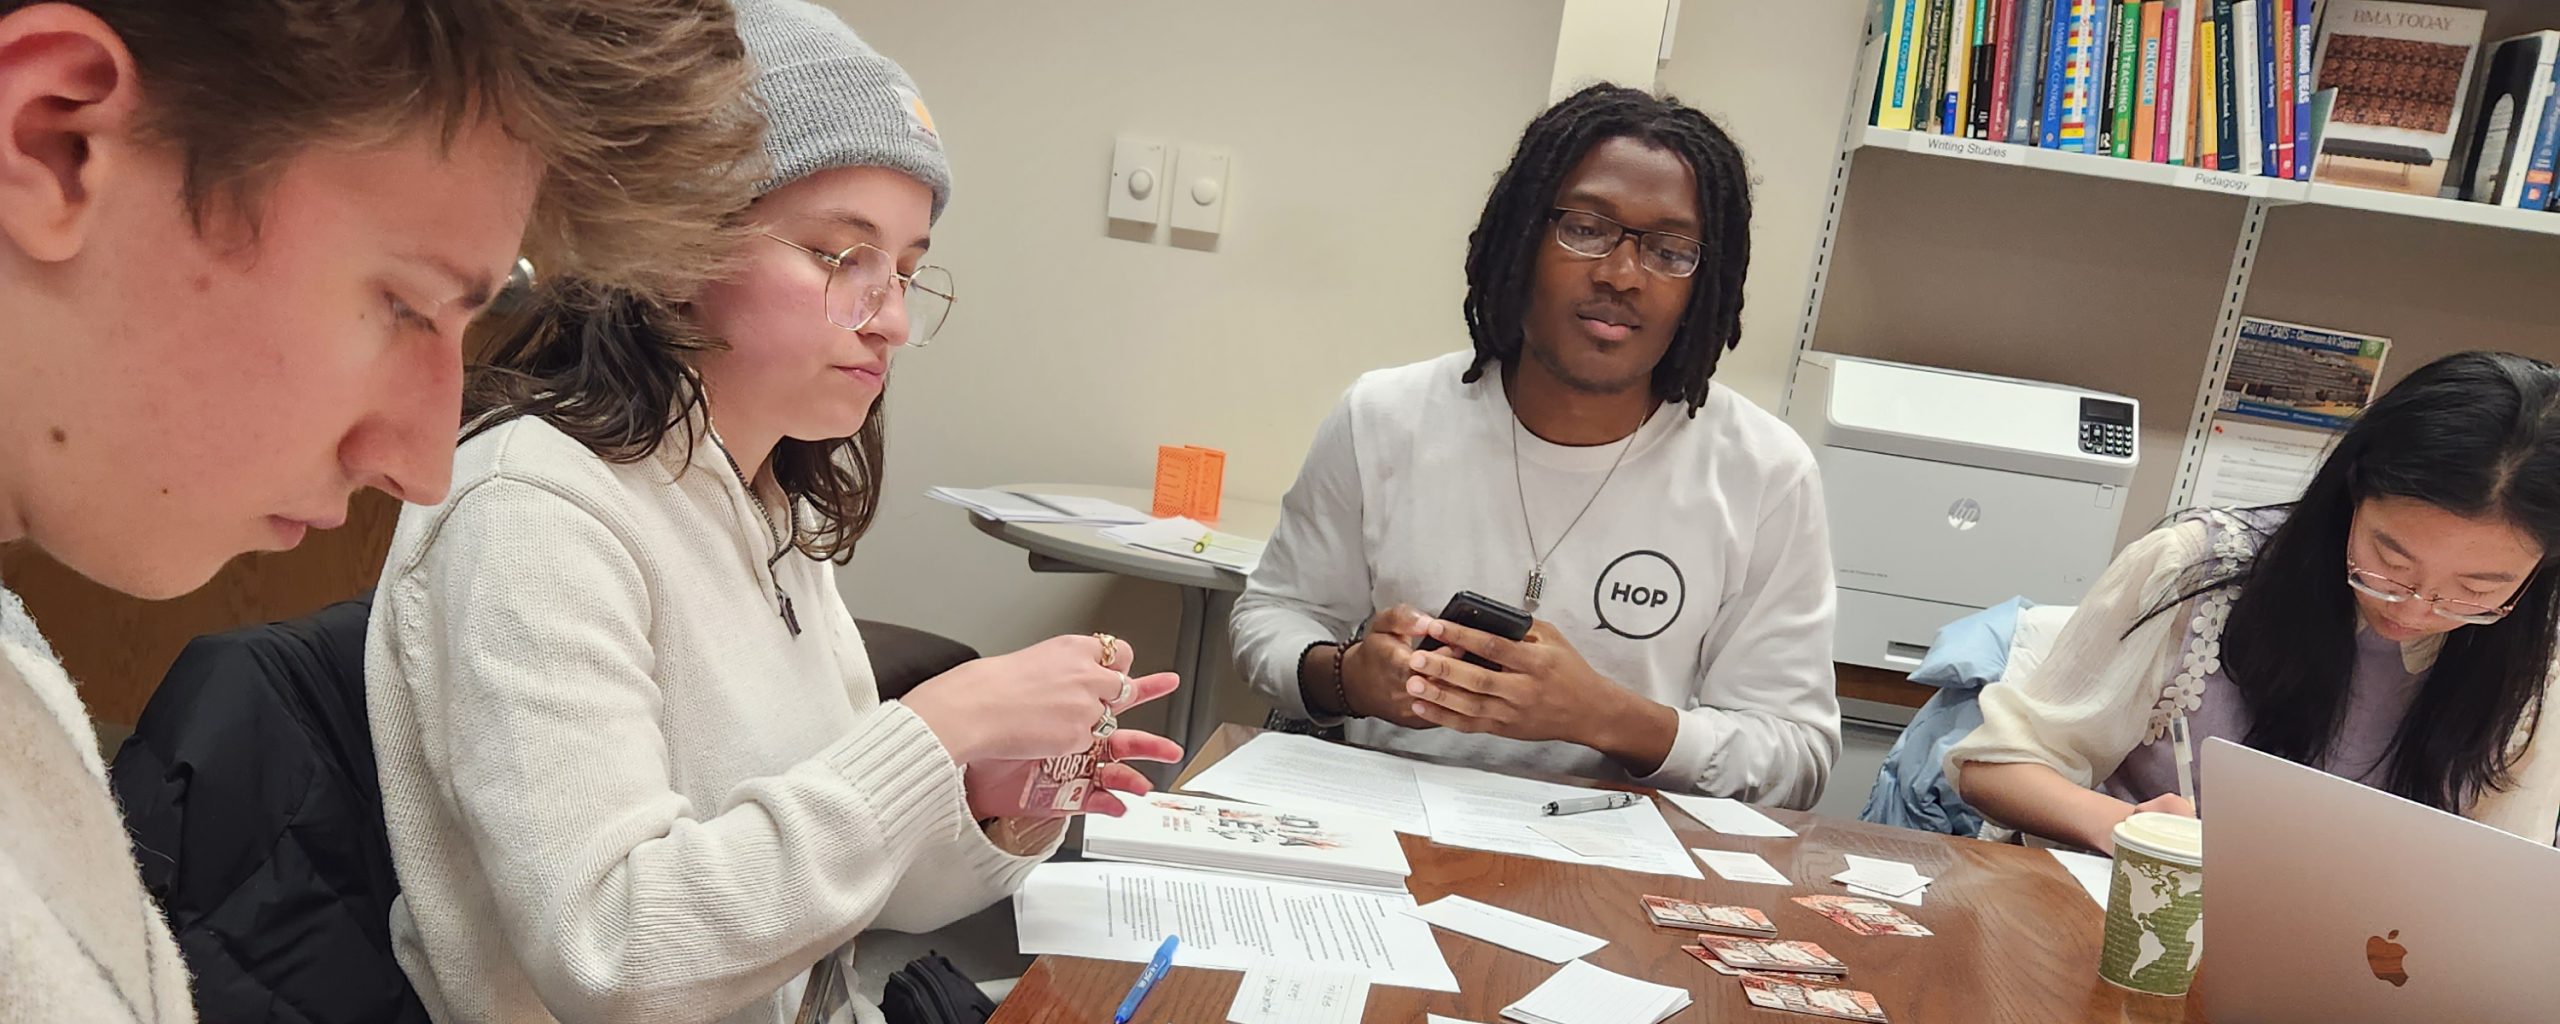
2394,626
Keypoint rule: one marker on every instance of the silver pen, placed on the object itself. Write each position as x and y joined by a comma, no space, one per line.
1602,802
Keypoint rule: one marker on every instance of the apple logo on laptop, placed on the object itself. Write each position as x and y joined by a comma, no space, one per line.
2387,958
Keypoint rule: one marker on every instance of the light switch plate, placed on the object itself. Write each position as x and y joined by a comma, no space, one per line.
1200,190
1137,181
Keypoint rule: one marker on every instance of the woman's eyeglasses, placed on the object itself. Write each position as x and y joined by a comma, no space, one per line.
2390,591
860,278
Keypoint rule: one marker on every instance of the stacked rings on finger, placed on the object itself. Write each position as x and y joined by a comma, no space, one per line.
1110,722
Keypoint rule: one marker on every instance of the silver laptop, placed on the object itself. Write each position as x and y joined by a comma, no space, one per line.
2330,903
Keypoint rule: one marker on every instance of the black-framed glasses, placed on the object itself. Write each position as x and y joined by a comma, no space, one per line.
858,284
2390,591
1592,236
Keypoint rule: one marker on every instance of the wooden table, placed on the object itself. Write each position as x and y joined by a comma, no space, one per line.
2016,942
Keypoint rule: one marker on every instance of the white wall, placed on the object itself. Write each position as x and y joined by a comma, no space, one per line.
1617,41
1778,77
1365,134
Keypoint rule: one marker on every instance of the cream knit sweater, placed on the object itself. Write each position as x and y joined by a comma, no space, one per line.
79,940
618,786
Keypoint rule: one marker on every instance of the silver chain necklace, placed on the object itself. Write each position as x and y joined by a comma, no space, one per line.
1537,584
781,540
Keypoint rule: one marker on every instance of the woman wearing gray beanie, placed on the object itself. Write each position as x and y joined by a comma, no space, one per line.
634,763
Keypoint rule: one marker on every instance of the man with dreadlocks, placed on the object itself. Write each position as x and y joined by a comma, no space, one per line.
1667,536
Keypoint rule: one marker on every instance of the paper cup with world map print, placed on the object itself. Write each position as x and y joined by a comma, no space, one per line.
2155,905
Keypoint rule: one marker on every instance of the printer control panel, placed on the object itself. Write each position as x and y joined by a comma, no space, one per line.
2106,427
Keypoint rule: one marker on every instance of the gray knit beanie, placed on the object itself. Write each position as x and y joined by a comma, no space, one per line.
834,102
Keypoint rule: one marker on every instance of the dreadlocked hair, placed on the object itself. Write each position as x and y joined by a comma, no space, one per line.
1502,251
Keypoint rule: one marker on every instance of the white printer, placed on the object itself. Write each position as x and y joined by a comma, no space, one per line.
1951,492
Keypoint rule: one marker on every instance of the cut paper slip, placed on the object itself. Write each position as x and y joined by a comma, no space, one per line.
1518,932
1735,866
1185,538
2095,874
1729,816
1583,994
1284,993
1883,877
1889,880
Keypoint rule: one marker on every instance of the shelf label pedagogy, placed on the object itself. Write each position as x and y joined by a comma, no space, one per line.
1969,149
2226,182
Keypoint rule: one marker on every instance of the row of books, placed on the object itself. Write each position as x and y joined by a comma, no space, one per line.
2218,84
2368,93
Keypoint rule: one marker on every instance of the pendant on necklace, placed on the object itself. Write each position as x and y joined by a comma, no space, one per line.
1537,585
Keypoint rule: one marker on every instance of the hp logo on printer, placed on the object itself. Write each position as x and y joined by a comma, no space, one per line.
1965,514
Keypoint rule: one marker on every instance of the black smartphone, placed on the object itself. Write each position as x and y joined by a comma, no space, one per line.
1484,615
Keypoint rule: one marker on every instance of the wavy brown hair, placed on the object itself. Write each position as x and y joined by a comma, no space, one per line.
636,109
613,369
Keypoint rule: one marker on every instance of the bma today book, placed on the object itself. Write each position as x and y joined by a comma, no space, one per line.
2401,71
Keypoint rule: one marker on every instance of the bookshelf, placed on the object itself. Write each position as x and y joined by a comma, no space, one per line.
2133,277
2217,182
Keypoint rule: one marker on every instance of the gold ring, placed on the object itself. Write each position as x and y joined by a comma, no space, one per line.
1110,648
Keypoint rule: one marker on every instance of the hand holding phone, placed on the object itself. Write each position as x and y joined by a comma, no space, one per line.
1485,615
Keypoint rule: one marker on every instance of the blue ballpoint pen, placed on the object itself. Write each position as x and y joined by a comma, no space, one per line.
1147,980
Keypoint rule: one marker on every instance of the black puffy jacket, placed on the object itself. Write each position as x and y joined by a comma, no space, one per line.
250,791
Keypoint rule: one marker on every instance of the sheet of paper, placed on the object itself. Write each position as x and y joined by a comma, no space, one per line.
1284,993
1123,912
2249,463
1021,507
1288,769
1583,994
1589,842
1736,866
1729,816
1433,1018
1483,811
2095,874
1553,943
